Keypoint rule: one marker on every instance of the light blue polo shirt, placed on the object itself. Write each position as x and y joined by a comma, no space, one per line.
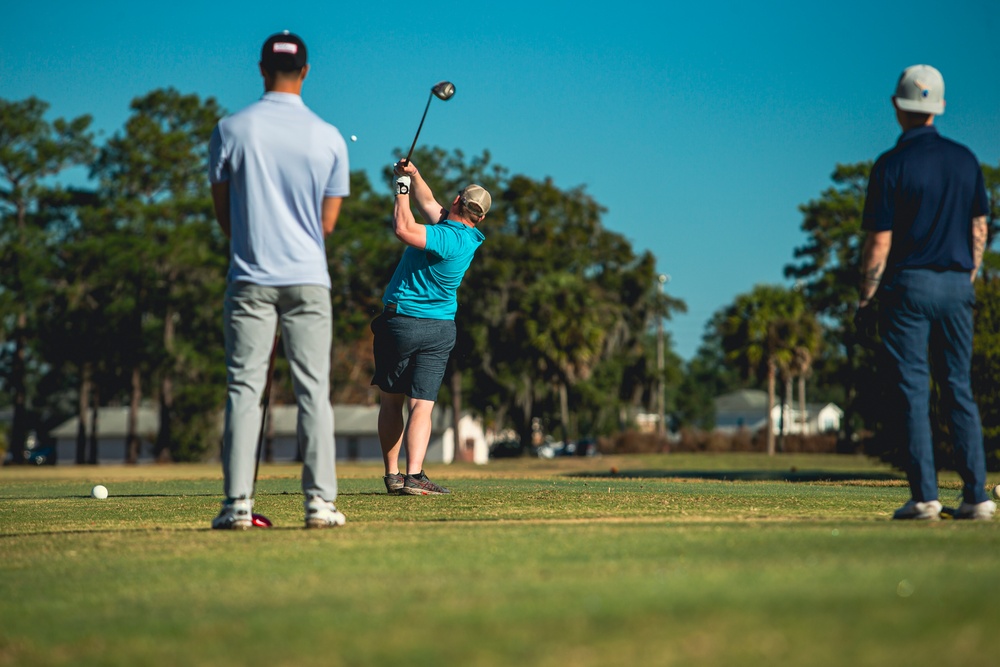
425,283
281,160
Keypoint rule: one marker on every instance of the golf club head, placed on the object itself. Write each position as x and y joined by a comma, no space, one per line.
260,521
443,90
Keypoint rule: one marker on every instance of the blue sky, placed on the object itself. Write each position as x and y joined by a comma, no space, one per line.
700,126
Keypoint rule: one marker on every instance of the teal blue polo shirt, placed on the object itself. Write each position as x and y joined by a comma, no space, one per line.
425,283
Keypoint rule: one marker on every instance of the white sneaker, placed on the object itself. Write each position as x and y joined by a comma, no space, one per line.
980,511
322,514
929,511
236,514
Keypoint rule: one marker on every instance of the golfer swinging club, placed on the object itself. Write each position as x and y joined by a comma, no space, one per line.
415,333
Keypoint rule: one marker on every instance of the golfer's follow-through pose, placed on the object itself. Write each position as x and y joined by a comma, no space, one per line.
279,174
415,333
925,218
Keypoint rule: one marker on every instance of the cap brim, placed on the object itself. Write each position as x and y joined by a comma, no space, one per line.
935,108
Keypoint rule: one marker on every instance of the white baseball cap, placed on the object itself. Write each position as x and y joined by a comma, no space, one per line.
920,89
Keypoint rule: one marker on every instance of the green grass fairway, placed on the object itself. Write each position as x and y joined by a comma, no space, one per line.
729,560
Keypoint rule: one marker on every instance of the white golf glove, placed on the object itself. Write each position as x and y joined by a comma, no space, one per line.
402,185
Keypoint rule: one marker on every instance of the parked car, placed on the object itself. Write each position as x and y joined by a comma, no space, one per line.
506,449
583,447
35,452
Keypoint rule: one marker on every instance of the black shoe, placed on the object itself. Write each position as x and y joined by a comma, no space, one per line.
419,485
394,483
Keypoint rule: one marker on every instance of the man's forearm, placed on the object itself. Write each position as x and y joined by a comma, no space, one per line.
424,199
979,234
220,202
874,255
330,213
405,226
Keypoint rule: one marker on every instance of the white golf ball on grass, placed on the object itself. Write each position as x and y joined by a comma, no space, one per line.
996,491
100,492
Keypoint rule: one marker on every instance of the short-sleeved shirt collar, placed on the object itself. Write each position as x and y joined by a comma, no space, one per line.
917,133
283,98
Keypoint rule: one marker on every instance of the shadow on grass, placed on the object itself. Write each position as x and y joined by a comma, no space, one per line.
746,475
155,529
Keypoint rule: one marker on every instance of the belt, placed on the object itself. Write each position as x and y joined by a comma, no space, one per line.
389,308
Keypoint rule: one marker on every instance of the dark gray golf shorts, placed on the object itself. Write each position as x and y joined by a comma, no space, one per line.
411,354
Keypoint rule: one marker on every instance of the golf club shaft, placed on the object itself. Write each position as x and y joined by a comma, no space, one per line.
265,399
419,127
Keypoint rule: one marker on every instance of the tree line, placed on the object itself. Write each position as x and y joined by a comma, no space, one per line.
111,292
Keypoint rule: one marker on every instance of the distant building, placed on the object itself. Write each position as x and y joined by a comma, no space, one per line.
112,427
743,409
747,409
819,418
355,427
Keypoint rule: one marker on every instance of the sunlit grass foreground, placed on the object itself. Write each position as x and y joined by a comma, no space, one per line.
669,560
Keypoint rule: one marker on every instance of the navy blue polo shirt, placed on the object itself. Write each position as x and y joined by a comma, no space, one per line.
926,190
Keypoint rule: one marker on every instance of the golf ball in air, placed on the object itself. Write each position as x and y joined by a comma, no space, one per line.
100,492
354,137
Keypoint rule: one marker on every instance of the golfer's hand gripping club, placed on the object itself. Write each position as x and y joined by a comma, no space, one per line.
404,168
402,185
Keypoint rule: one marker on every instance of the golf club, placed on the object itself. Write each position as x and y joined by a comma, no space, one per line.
259,520
444,91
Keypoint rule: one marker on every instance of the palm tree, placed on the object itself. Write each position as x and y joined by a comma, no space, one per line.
761,332
568,323
802,366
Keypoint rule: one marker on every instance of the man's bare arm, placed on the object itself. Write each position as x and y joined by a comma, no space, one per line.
220,201
421,195
979,234
874,255
331,211
405,226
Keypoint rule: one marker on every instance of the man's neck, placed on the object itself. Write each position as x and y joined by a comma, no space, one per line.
278,83
916,126
458,218
285,88
908,122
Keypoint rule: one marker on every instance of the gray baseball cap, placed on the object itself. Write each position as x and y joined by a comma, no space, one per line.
920,89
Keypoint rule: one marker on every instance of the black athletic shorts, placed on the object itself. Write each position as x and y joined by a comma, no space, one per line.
411,354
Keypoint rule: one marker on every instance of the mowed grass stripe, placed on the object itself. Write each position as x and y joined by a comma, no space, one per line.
192,503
